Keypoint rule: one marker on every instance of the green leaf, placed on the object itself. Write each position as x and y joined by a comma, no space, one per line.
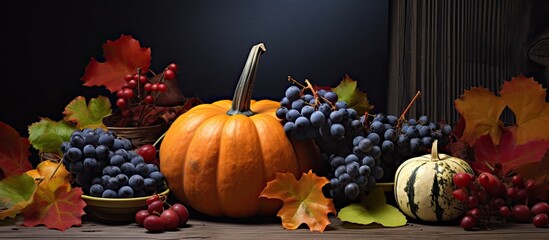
356,99
48,135
88,115
373,209
16,192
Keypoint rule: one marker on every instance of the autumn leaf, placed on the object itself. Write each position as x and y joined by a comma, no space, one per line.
509,153
303,200
15,194
481,110
60,209
88,115
526,98
539,172
48,135
373,209
48,171
14,152
122,56
347,91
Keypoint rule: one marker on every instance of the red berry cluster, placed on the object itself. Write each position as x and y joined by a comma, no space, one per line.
138,89
488,196
158,219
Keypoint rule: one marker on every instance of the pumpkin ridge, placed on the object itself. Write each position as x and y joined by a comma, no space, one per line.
171,148
238,167
206,139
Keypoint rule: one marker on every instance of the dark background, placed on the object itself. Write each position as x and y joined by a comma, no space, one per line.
47,45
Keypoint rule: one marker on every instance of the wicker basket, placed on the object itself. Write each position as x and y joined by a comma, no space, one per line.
137,135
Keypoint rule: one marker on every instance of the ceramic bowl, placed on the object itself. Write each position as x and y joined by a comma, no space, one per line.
386,186
115,210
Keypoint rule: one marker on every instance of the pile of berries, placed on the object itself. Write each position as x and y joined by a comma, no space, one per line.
157,218
490,196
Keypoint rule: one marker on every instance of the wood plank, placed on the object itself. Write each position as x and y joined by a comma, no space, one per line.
269,229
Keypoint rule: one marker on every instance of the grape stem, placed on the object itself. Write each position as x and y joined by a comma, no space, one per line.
403,115
292,80
160,138
310,87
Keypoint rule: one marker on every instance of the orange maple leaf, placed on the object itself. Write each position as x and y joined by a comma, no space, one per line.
14,152
481,110
122,56
526,98
303,200
56,205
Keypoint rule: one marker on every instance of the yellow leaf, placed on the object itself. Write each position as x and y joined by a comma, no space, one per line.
526,98
347,91
303,200
481,110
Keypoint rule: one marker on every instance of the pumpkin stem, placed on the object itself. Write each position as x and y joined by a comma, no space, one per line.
434,151
243,91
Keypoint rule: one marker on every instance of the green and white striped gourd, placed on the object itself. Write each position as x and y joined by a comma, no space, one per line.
423,186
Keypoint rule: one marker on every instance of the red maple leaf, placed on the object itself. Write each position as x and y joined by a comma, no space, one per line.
122,56
14,152
507,152
57,210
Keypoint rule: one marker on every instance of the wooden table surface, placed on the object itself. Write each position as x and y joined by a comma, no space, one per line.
269,229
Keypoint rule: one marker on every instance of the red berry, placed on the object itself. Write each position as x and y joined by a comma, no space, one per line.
512,193
475,212
462,179
136,77
468,222
121,103
530,185
541,207
490,183
149,99
523,194
182,212
148,152
169,74
496,203
128,77
140,216
504,211
156,207
521,213
162,87
170,219
154,87
153,223
128,93
541,220
143,79
152,199
173,67
460,195
132,83
517,180
147,87
120,94
472,201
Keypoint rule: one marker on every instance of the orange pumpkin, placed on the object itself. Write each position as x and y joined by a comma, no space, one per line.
218,157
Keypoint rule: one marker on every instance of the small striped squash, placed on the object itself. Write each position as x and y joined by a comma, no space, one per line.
423,186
